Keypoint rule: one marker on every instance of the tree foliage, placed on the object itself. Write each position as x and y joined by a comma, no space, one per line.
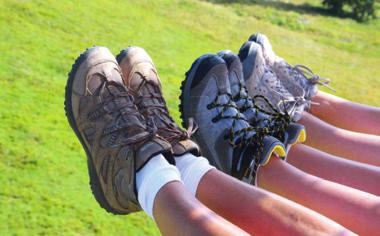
362,10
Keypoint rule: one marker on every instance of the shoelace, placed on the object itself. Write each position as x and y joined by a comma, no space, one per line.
248,104
240,132
172,133
282,120
121,103
308,74
280,90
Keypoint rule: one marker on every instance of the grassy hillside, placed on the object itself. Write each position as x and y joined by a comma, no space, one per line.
43,174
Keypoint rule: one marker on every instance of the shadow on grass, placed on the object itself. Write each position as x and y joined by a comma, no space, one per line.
287,6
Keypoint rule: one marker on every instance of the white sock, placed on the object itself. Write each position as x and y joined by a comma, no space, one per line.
151,178
192,169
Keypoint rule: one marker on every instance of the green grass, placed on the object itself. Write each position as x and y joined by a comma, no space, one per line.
43,174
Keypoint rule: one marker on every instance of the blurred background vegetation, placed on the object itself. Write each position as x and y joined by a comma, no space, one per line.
361,10
43,175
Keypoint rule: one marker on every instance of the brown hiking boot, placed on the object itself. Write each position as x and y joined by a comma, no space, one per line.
141,78
115,136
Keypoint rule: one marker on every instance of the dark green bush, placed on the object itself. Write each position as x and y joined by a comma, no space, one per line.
362,10
334,5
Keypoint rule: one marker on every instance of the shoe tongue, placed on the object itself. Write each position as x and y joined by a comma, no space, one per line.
271,79
186,146
242,99
148,85
239,123
155,107
151,148
243,135
155,103
250,114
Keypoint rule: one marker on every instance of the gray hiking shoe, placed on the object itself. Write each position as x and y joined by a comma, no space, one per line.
225,137
293,77
278,124
142,80
264,86
115,136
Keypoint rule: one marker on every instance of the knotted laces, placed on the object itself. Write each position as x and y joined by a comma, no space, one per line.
167,128
118,103
281,120
308,74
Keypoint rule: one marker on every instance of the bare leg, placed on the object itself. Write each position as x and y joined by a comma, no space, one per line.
346,114
354,209
260,212
351,173
351,145
178,213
